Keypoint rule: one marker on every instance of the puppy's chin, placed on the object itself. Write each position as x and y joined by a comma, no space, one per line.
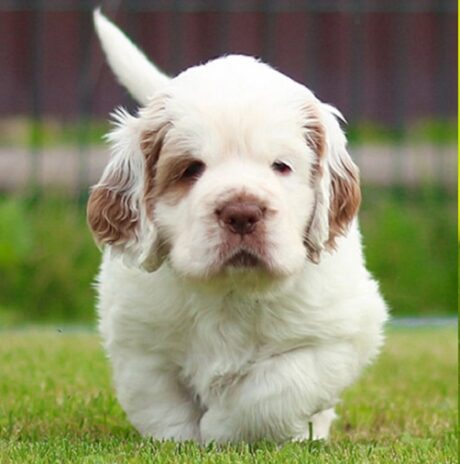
236,280
244,260
240,272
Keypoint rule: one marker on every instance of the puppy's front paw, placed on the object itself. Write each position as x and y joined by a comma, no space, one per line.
215,426
318,426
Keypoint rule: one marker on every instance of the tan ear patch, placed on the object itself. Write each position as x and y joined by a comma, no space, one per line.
345,200
316,138
109,214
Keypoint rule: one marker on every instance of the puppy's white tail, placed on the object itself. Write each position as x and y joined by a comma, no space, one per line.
132,68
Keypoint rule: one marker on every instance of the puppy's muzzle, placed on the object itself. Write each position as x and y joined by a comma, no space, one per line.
240,218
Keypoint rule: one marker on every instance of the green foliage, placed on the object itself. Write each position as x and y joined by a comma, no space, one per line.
435,131
424,131
48,259
410,246
15,235
58,405
48,133
371,132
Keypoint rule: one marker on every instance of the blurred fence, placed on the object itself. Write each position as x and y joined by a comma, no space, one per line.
390,66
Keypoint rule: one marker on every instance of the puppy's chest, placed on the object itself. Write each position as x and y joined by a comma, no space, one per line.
222,347
220,350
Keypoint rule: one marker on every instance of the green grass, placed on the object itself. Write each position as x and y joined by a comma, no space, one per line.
57,405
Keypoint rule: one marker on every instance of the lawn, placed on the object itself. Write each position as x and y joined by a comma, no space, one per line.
57,405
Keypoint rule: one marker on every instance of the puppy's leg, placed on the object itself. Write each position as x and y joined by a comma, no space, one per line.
320,425
280,395
322,422
156,403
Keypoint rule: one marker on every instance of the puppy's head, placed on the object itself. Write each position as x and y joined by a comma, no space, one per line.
231,168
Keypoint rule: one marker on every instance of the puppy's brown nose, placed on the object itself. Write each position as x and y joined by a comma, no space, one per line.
240,218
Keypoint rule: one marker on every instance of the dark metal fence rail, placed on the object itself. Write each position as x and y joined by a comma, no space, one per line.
95,93
239,5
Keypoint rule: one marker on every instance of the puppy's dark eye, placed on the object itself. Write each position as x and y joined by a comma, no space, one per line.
194,170
281,168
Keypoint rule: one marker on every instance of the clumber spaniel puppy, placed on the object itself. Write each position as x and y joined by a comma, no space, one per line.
234,302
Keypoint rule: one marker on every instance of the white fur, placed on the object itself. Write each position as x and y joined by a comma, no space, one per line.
133,69
207,353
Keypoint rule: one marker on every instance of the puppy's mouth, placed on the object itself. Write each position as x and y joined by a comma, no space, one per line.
244,259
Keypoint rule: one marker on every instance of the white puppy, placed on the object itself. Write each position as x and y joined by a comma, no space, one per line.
234,302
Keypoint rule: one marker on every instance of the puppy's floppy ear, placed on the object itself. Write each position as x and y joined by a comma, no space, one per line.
336,181
345,192
116,211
